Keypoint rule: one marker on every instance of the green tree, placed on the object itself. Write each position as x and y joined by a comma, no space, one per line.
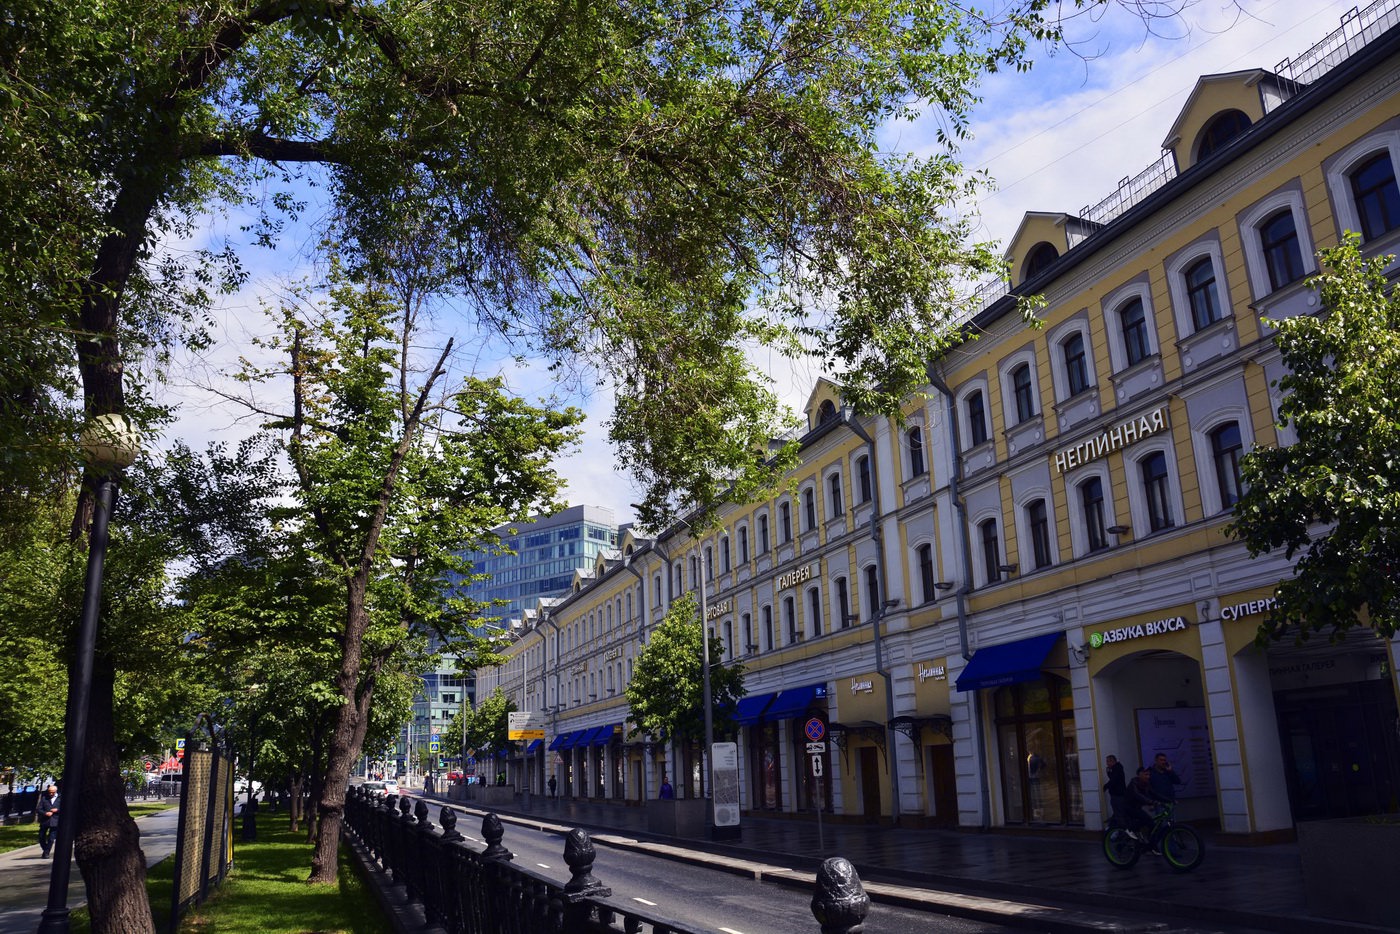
666,693
1332,498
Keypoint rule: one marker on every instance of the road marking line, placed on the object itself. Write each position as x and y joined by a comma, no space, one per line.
644,901
544,865
731,931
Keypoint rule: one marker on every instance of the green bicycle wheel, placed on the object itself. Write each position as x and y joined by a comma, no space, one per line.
1119,848
1182,848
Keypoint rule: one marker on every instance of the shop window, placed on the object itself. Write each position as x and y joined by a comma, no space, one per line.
863,478
1132,322
814,605
1226,448
914,437
991,550
1038,523
926,578
1201,293
1156,491
1376,196
1091,505
838,506
1076,362
1023,392
1038,752
976,407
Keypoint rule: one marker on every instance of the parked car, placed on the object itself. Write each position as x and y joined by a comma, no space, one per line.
375,789
454,776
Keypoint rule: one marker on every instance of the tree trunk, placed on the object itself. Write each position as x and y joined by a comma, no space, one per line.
346,735
108,846
294,808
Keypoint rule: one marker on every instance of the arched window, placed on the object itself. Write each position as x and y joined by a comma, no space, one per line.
1039,259
826,411
838,506
1223,129
1225,449
863,477
1156,491
1278,239
1133,322
1024,393
915,438
1376,195
991,549
926,578
1202,294
814,607
976,418
1076,363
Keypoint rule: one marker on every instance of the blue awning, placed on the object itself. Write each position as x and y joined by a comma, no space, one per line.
794,702
570,740
558,741
751,708
604,734
1008,663
534,747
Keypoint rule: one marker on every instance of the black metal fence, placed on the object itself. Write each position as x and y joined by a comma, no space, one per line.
18,805
470,892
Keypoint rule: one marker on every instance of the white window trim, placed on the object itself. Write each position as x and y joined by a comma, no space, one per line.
915,580
1058,374
854,468
1253,244
977,384
818,497
1205,454
1078,531
1339,175
1008,388
1112,306
1137,498
979,563
861,603
836,472
1026,554
1176,283
744,552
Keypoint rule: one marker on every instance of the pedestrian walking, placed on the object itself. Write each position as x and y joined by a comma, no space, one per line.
667,792
47,812
553,786
1116,786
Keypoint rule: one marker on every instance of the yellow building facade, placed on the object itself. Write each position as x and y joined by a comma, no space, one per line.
1031,570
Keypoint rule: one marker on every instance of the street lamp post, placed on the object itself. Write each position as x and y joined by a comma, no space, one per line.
709,752
109,444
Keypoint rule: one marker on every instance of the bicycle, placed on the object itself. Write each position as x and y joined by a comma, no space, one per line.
1178,844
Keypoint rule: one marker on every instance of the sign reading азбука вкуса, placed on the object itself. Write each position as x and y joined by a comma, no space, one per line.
1157,627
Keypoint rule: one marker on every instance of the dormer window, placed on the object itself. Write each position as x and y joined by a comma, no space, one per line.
1039,259
826,412
1223,129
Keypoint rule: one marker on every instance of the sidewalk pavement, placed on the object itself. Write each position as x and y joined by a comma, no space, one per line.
1257,887
24,874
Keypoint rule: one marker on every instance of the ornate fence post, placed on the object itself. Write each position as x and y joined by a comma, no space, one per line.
579,854
839,904
492,832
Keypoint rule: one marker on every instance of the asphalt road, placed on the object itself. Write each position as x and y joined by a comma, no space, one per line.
704,898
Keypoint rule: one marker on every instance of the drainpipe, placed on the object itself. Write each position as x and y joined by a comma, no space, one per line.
960,506
848,416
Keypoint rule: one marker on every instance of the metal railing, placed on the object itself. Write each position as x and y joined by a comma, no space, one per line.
469,892
1359,28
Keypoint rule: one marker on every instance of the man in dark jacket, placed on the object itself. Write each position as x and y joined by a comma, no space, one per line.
1164,780
47,812
1142,804
1116,786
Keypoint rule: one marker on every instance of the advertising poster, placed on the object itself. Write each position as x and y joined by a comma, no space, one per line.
1182,733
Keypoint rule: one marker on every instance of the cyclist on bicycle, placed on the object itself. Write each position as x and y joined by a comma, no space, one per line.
1142,803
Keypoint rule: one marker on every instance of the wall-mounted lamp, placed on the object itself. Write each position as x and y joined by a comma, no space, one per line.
751,647
1079,653
1118,529
890,604
943,585
1006,568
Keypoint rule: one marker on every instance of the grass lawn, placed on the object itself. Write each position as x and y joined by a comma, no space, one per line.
14,836
266,892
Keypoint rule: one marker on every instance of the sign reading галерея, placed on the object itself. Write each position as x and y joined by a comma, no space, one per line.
1104,443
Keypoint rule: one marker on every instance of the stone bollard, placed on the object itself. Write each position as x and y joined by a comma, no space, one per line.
492,832
839,904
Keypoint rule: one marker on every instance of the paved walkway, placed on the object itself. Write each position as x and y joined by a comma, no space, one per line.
1246,886
24,874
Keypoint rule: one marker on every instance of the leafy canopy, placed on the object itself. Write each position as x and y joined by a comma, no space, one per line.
1332,498
666,693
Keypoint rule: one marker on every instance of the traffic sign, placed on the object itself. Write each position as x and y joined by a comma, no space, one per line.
434,746
816,766
436,738
816,748
815,729
149,765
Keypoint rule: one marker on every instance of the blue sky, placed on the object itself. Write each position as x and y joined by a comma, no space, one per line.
1054,139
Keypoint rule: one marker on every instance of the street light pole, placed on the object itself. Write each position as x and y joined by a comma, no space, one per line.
110,445
709,752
